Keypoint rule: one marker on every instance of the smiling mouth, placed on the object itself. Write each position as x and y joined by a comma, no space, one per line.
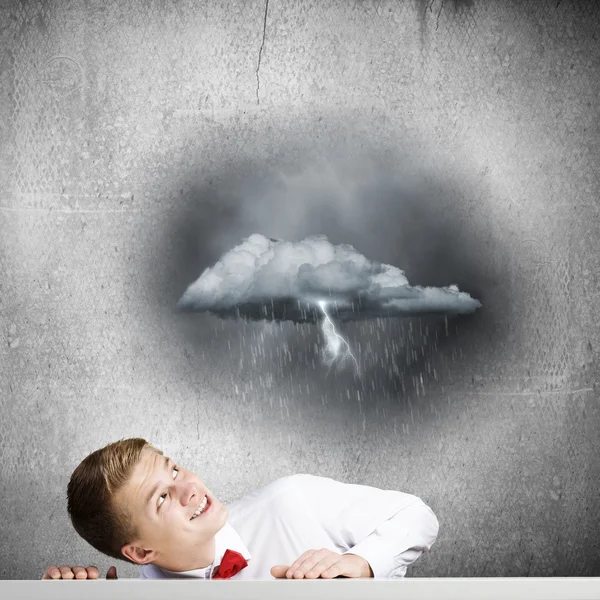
202,508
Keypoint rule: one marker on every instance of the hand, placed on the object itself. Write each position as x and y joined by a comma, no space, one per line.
66,572
324,564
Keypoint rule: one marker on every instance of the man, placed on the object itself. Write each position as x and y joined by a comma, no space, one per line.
132,503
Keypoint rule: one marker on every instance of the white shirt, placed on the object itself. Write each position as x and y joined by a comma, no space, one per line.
276,524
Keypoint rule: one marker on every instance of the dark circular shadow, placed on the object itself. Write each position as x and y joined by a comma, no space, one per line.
390,211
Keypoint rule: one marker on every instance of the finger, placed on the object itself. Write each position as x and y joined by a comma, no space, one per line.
79,572
66,572
333,571
279,571
304,566
323,565
92,572
310,562
112,573
52,572
296,564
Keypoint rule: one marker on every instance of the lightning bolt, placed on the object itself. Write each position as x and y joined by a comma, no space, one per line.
337,347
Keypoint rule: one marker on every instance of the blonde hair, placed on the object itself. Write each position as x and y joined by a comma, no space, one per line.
91,492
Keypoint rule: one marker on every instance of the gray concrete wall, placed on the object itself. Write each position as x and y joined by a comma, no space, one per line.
456,140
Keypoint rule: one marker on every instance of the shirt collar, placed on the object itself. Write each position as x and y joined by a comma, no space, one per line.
225,539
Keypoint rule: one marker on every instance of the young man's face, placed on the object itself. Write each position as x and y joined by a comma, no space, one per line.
162,498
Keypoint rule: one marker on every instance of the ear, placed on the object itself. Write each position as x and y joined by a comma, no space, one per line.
138,555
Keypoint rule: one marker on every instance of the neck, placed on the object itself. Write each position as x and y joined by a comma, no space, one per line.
199,558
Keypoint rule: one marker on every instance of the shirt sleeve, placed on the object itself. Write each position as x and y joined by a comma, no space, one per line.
389,529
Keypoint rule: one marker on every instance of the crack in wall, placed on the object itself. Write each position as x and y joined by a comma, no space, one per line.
437,21
260,52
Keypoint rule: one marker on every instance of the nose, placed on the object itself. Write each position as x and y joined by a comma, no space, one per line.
189,494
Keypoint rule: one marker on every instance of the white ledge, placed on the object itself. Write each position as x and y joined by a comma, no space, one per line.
493,588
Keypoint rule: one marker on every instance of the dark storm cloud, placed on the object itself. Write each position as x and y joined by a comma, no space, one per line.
264,278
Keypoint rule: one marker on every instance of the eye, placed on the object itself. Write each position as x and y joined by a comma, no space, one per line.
162,497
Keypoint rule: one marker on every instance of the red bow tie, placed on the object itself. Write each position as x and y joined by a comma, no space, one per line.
231,563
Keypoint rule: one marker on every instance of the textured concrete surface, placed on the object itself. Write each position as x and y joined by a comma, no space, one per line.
456,140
